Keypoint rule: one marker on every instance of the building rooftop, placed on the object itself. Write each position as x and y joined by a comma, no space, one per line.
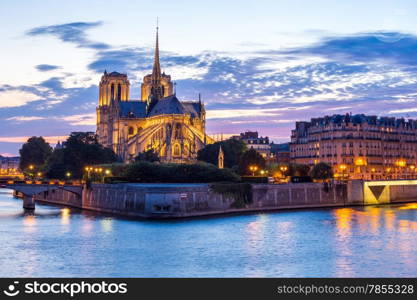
360,119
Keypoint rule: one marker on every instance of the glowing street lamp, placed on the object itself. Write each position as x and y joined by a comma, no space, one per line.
253,169
283,168
401,163
68,175
360,161
88,169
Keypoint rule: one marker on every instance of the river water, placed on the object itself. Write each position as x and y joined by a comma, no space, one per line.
345,242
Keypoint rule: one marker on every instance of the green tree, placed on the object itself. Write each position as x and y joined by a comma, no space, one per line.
80,149
199,172
34,152
232,149
321,171
148,155
251,158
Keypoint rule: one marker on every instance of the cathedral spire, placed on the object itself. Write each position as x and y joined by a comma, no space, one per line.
156,71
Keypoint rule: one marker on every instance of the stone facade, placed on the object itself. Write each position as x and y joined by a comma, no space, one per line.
174,129
358,146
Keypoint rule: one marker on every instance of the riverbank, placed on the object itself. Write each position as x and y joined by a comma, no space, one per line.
164,201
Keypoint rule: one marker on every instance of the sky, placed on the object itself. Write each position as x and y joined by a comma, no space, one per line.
259,65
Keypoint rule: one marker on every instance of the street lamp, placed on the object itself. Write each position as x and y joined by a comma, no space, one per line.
88,169
343,168
253,169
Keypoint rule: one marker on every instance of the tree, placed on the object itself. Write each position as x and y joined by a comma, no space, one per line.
251,158
144,171
34,152
298,170
322,171
81,149
232,149
148,155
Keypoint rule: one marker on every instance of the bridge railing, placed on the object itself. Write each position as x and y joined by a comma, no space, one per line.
5,183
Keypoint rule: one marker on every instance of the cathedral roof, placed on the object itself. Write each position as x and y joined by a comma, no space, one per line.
132,109
114,73
166,106
192,108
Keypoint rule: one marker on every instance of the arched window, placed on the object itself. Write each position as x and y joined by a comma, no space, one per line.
177,150
131,130
178,131
112,91
119,92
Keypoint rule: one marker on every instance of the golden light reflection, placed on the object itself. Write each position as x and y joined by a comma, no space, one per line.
343,261
389,220
65,216
343,221
374,220
29,223
408,206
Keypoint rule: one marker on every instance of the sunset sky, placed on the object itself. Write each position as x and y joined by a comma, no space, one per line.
259,65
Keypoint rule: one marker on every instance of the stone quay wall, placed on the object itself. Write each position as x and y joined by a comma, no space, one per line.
161,201
189,200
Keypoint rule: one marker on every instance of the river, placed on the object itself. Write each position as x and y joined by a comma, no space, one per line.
343,242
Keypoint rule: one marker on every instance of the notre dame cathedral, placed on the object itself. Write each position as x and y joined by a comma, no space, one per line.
174,129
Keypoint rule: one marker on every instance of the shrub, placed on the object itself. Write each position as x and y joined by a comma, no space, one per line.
322,171
199,172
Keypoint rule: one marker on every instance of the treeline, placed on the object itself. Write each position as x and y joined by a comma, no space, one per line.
144,171
82,149
38,159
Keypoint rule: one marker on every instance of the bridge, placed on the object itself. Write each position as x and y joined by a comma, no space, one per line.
29,190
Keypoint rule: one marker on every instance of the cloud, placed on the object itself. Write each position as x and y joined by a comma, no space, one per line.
404,110
83,119
46,67
25,119
71,33
23,139
267,91
7,154
381,46
14,98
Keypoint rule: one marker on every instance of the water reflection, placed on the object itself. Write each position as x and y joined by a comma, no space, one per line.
65,216
356,241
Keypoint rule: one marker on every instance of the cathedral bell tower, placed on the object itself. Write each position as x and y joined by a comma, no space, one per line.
113,86
157,85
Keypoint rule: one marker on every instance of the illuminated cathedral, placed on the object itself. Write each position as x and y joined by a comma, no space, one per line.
174,129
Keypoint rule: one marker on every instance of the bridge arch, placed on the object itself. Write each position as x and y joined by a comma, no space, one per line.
30,190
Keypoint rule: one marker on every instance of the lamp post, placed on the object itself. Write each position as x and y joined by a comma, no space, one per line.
343,168
88,169
253,169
